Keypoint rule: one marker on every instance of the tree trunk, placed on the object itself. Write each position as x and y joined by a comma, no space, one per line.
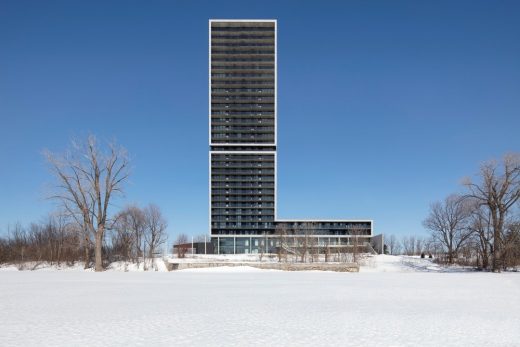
98,251
87,256
497,246
485,257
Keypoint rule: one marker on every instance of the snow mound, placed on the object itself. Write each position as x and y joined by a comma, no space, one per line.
402,263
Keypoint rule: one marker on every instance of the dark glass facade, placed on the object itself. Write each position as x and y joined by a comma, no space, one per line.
242,134
242,82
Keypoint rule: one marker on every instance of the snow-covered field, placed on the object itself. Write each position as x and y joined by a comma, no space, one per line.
393,301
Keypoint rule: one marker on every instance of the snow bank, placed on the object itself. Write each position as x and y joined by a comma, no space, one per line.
157,265
401,263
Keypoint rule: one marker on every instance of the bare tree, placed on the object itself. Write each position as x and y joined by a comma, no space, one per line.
314,248
480,225
408,245
411,241
155,228
392,243
356,244
130,226
88,177
181,245
512,244
304,241
447,223
419,245
428,247
396,247
498,190
282,245
263,247
327,250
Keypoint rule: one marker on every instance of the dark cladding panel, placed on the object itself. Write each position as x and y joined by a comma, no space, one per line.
243,82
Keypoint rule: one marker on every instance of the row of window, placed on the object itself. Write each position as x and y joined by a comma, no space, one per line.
244,36
238,159
231,115
240,89
242,28
242,185
251,103
237,120
267,185
227,99
242,199
325,225
237,232
257,133
243,121
244,172
244,139
239,205
243,81
240,121
242,211
238,136
241,225
332,238
230,172
241,178
251,111
254,113
252,116
259,59
240,147
242,67
251,51
242,167
241,156
242,164
237,190
250,106
242,44
238,74
243,128
240,191
243,218
243,90
249,98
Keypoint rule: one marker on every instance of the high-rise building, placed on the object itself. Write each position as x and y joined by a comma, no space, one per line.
242,117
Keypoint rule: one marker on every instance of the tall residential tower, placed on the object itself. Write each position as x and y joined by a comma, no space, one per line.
242,117
242,130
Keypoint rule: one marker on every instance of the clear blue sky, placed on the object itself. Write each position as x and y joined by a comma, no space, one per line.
383,106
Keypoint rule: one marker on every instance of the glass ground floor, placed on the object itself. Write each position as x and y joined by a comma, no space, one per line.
223,244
